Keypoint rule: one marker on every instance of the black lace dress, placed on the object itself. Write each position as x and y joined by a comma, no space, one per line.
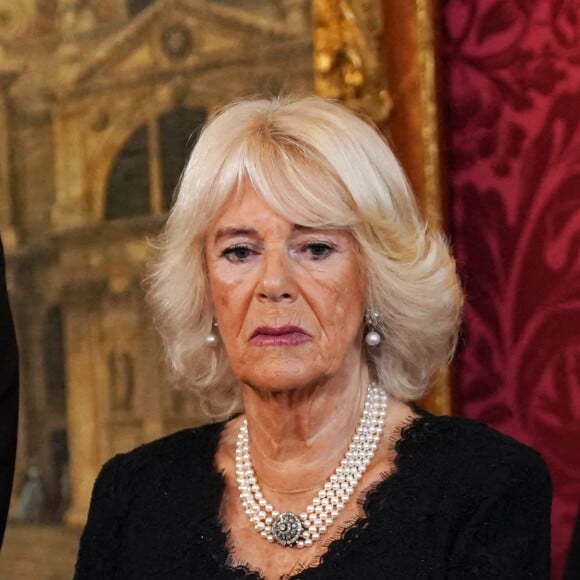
465,502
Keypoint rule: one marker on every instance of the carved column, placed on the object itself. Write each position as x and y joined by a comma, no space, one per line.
81,331
71,208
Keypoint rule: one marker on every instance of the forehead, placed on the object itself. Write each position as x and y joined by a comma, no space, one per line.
246,203
303,191
247,213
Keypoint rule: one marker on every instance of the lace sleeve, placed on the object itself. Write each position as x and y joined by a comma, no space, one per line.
101,542
508,536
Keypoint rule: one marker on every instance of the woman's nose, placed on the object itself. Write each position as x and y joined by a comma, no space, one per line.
277,281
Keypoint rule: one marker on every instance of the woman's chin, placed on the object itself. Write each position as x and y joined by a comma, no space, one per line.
292,379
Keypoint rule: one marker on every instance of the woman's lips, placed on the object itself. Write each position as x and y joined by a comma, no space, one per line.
279,336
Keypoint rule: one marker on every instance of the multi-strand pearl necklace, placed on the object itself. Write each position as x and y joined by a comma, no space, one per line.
289,529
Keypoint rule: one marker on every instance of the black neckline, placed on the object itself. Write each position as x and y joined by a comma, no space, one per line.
334,549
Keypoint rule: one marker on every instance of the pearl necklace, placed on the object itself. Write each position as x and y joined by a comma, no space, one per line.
289,529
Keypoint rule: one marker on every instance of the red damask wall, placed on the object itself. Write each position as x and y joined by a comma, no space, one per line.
511,92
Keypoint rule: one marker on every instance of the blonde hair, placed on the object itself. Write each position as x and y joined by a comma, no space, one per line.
318,164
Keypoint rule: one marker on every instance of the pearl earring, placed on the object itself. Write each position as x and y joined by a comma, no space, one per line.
372,337
212,338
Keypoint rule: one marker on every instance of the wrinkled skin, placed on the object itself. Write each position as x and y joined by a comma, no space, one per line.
303,397
281,274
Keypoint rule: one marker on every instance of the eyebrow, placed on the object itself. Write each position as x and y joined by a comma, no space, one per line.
230,232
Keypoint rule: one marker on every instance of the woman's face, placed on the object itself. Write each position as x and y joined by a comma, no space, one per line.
289,300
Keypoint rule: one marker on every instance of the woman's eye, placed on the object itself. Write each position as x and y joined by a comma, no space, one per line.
319,250
237,253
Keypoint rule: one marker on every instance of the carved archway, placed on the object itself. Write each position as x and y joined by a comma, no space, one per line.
168,134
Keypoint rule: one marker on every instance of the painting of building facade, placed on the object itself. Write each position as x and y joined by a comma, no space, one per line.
100,104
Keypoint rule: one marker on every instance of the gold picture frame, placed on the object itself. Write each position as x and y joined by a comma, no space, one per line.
381,59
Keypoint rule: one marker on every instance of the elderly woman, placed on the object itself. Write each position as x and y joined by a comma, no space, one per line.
301,295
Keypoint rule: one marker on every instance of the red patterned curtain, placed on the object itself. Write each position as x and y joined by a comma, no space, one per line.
511,72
